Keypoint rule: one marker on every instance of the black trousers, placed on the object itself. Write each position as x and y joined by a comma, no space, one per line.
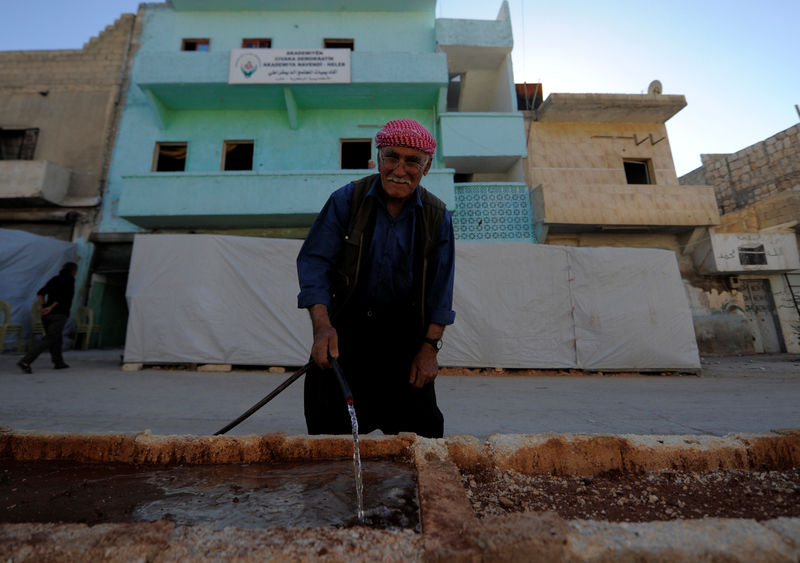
376,349
53,328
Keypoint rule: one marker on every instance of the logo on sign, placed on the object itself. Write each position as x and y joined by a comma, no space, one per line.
248,64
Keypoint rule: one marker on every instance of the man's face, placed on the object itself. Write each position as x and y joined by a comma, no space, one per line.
401,170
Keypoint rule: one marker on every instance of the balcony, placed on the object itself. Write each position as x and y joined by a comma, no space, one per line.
475,44
226,200
32,183
609,108
482,142
566,207
744,253
199,80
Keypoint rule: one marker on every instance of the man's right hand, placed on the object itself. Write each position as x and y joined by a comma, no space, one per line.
326,340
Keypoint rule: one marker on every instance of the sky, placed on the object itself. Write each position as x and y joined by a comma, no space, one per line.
737,62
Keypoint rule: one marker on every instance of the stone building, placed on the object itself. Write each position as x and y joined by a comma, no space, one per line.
750,260
58,116
601,174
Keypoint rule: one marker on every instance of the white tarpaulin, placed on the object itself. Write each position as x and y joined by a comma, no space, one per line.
233,300
27,262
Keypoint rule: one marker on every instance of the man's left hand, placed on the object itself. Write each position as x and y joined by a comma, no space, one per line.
425,367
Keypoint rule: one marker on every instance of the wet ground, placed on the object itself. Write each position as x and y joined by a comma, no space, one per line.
247,496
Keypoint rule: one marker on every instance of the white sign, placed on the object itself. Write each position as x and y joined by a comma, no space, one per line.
289,66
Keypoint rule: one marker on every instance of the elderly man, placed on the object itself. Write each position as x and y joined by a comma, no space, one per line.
376,274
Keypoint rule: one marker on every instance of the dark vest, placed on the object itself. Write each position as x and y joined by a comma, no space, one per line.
358,237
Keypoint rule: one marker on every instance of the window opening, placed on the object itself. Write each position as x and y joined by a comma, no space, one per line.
196,45
637,171
529,96
237,155
454,91
18,144
339,44
263,43
752,255
462,178
356,153
170,157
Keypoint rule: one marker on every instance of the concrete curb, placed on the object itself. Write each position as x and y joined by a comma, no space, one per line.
451,532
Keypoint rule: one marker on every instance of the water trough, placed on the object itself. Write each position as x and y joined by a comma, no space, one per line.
447,528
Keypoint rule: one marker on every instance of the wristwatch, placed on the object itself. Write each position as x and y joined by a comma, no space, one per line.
435,342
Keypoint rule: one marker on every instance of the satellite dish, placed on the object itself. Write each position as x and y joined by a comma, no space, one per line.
655,87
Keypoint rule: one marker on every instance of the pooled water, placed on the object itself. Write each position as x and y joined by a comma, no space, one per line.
256,495
305,495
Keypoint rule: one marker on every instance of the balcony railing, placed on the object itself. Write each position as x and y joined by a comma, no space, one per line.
625,205
226,200
33,182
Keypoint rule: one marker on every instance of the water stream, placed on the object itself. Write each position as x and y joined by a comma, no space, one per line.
357,463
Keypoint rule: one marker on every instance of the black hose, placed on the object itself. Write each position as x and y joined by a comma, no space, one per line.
268,398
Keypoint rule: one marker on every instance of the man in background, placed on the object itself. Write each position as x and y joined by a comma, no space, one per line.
55,302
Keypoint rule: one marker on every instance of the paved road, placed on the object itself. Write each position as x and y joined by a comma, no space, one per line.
734,394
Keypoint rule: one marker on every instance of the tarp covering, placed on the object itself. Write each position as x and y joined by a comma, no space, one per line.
233,300
27,262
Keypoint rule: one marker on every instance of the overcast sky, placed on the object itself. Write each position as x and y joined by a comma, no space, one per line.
736,61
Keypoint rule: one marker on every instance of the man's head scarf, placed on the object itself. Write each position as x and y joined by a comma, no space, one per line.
406,133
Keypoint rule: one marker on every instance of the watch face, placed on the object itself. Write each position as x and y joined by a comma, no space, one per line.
436,343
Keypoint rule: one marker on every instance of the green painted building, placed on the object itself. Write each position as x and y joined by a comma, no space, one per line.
242,116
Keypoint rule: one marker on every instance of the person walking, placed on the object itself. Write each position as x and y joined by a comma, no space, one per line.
55,302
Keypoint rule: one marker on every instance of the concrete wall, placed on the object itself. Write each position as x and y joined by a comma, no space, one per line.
592,153
758,193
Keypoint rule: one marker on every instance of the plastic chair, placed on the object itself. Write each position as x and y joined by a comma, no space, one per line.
7,327
84,318
37,327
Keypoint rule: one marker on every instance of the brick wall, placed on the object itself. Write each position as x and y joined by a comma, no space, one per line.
98,64
756,173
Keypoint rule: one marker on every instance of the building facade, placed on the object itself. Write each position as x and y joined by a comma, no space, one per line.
750,260
242,117
58,115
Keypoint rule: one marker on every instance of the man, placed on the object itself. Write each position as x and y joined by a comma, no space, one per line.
376,274
58,293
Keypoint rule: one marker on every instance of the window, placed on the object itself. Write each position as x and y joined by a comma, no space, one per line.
356,153
529,96
264,43
237,155
339,44
752,255
454,91
18,144
170,157
196,45
637,171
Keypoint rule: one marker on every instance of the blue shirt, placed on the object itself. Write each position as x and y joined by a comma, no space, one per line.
390,257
